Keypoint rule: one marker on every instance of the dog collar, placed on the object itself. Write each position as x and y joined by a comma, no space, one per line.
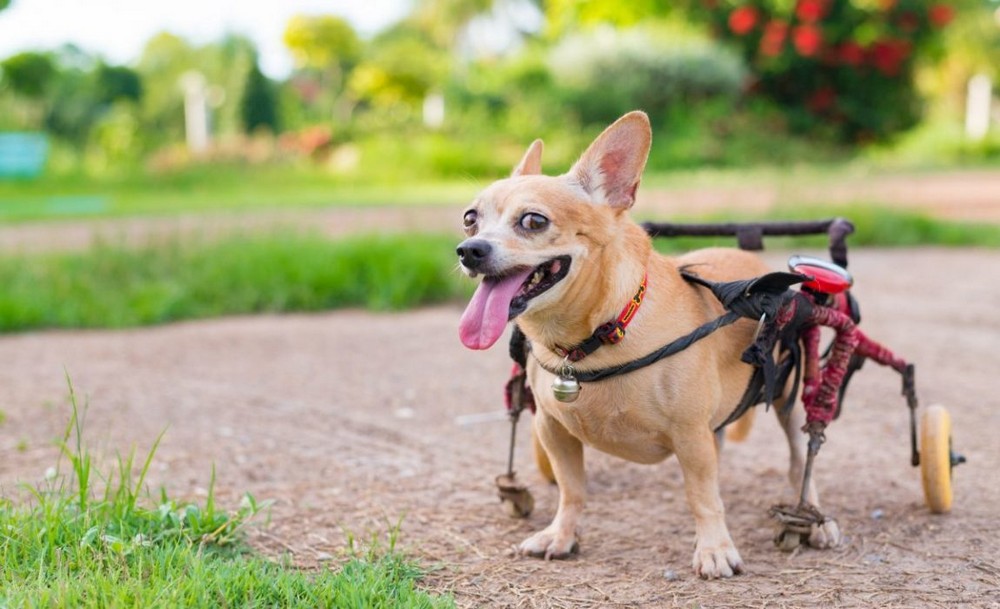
610,333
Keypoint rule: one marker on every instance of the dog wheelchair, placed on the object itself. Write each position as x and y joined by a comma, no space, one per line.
786,352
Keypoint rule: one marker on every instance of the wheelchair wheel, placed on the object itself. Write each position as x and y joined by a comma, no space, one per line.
936,458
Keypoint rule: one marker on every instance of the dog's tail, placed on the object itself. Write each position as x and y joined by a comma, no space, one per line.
739,429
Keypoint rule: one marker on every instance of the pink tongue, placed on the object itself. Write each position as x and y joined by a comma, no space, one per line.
485,318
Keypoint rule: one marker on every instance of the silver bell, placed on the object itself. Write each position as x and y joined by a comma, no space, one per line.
565,387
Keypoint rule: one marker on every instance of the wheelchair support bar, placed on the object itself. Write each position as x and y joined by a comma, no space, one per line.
750,234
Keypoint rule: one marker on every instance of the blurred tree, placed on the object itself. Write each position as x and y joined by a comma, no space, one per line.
443,20
401,66
163,62
117,82
563,16
259,104
164,59
226,64
4,4
322,42
972,46
85,91
661,69
29,73
326,48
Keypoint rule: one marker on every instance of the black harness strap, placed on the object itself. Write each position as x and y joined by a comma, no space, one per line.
667,350
756,298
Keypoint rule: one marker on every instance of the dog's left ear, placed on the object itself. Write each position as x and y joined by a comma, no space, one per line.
610,169
531,162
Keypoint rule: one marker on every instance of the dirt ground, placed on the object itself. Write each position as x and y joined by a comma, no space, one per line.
352,421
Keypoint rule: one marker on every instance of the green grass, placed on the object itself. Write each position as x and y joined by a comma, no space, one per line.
119,287
218,188
113,287
72,546
232,188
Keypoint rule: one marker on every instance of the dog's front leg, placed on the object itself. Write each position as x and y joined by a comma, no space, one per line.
714,553
558,540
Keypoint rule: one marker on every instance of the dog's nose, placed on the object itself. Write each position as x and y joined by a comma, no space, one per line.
473,253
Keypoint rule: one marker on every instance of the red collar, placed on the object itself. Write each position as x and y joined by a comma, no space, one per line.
610,333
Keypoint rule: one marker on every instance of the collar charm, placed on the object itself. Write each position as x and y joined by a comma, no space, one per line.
565,387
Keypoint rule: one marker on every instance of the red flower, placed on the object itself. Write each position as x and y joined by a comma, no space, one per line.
821,100
810,11
887,55
774,38
807,40
851,53
742,20
941,14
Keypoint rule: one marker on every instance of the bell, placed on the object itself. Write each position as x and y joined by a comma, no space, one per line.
566,388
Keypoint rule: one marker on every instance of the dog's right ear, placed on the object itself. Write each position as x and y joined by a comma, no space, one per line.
531,162
610,169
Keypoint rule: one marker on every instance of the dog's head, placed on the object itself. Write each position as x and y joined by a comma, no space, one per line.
531,236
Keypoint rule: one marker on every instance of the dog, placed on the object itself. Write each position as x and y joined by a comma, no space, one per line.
561,256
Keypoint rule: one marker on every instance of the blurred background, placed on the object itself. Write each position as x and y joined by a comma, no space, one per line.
396,91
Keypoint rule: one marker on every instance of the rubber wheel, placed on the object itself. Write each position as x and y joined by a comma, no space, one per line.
935,458
542,458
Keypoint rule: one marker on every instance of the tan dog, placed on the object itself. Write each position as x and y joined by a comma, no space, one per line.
562,256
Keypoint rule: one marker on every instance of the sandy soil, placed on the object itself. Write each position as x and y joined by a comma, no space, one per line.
351,421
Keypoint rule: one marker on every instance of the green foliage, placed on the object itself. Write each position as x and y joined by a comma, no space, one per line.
567,15
117,287
68,93
443,20
71,546
840,67
165,61
656,70
399,67
115,83
322,41
114,140
718,133
726,82
237,185
259,106
28,73
73,106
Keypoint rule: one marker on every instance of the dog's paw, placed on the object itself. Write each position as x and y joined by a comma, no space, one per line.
716,562
549,544
826,535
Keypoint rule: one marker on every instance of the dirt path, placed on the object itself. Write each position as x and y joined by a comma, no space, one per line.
349,422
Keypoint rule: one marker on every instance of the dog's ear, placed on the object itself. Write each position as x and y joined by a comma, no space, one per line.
610,169
531,162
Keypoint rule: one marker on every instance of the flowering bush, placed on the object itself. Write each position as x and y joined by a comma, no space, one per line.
845,66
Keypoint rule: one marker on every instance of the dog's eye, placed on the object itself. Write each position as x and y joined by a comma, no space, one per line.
470,218
534,222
